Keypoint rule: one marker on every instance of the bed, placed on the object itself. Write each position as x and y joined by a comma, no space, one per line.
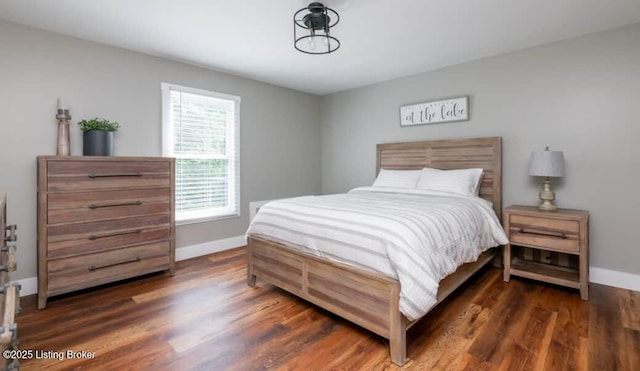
364,297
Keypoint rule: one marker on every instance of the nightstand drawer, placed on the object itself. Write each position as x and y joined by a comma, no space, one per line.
527,237
550,225
554,234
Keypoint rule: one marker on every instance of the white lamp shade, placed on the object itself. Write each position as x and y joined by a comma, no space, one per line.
546,163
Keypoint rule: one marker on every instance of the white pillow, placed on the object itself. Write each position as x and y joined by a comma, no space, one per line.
397,178
461,181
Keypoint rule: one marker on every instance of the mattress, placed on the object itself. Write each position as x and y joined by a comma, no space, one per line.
415,236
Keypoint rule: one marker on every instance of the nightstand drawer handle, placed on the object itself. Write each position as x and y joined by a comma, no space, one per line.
94,206
96,267
94,175
95,237
543,233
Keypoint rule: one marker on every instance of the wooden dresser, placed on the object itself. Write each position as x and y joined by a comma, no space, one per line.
103,219
9,293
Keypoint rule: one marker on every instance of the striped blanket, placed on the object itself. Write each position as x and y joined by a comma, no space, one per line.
417,237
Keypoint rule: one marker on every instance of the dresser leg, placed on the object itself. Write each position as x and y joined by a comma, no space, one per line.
251,280
584,292
42,301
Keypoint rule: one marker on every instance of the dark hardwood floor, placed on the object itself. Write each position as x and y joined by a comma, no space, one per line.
207,318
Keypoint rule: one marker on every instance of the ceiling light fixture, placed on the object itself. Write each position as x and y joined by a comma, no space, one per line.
314,29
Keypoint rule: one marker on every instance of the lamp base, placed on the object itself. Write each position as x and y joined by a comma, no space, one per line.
547,196
547,206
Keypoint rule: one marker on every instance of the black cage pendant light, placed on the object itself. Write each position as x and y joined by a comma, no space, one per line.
311,29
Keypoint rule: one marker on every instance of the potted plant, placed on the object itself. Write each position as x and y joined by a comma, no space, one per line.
97,136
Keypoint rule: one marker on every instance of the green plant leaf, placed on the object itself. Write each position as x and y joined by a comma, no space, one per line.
98,124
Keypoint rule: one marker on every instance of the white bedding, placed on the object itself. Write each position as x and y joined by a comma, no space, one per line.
417,237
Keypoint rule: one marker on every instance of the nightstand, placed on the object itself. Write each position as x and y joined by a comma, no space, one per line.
564,231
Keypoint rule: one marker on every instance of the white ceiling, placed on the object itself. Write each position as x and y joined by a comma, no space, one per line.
381,39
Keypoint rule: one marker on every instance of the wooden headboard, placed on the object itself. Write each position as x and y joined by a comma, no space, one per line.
485,153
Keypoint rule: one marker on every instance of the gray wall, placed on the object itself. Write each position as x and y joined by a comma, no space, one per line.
280,128
580,96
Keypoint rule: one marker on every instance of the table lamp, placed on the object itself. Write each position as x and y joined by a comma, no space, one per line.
546,164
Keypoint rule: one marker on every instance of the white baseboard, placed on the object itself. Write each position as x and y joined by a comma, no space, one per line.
210,247
608,277
29,286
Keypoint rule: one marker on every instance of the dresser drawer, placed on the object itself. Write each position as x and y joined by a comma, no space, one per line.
554,234
93,175
69,239
95,269
102,205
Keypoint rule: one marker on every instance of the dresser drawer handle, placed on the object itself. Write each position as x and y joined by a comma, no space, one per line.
94,206
543,233
11,233
95,237
94,175
96,267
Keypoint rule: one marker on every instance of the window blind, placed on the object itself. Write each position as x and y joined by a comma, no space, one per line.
201,130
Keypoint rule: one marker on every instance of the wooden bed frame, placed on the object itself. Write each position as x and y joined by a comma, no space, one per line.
366,298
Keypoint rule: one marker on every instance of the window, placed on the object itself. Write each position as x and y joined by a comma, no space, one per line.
201,130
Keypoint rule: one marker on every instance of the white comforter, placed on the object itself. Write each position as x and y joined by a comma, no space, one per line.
417,237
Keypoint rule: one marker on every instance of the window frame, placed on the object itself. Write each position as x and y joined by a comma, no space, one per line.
233,181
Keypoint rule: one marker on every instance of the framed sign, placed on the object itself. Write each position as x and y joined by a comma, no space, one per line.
447,110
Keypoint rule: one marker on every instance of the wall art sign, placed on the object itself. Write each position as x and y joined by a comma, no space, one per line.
446,110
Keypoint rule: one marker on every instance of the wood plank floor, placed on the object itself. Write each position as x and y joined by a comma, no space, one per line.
207,318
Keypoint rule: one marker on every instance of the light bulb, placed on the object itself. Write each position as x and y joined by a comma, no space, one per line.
312,44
